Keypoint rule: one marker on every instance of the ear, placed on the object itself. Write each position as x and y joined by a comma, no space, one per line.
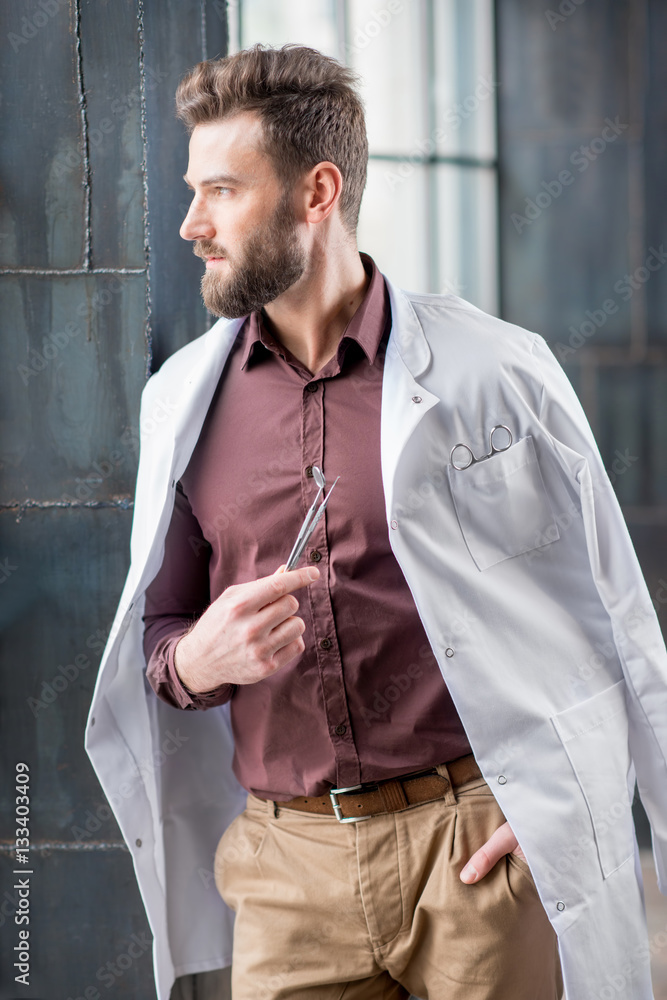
322,188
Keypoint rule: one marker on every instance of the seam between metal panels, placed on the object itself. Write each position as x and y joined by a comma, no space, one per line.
84,138
8,847
144,170
64,272
124,503
203,29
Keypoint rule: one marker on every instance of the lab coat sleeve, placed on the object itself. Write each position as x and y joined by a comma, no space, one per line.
622,589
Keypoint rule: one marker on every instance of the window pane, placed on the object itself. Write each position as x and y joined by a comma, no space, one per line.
386,49
305,22
467,263
464,85
390,225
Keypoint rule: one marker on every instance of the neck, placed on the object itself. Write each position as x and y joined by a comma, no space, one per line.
310,318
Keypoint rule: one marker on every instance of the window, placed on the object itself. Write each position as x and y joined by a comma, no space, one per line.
429,213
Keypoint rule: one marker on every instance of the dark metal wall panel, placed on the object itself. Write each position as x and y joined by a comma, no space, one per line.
624,445
565,198
564,242
83,84
71,386
575,261
43,206
657,420
86,925
654,64
57,610
113,85
563,74
582,90
178,314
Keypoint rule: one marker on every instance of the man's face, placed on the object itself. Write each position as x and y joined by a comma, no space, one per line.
241,218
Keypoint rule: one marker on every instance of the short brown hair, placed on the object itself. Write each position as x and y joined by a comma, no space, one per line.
307,102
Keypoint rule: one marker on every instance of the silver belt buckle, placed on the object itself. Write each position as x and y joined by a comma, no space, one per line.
333,795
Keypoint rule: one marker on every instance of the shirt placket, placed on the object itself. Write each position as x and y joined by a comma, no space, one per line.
327,649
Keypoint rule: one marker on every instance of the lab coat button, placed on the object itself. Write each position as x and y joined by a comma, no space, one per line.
560,905
502,780
449,651
416,399
394,524
138,842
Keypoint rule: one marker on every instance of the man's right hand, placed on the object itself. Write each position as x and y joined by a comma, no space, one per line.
245,635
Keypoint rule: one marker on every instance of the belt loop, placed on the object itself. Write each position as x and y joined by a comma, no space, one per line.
275,808
448,795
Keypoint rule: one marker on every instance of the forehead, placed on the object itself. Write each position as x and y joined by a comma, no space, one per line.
234,146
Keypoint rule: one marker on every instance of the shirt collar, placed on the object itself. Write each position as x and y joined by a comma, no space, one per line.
366,327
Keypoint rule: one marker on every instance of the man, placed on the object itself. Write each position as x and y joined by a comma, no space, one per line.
470,654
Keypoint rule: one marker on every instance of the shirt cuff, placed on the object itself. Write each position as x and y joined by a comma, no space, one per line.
163,678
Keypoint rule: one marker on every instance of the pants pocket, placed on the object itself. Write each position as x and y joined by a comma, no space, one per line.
238,850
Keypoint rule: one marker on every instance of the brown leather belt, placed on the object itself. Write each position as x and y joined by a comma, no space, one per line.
374,798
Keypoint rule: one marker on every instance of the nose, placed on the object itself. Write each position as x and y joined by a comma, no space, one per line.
196,225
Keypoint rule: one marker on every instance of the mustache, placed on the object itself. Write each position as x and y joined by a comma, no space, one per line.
205,250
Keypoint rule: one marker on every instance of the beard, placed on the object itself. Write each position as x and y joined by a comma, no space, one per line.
269,262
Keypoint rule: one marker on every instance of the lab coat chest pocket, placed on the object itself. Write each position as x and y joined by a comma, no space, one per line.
502,505
594,734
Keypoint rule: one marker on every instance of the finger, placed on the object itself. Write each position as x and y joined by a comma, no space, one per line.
285,633
274,614
501,842
281,569
288,652
258,593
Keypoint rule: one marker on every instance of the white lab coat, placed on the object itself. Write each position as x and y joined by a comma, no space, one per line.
532,598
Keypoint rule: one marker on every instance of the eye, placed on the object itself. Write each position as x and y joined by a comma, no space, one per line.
223,189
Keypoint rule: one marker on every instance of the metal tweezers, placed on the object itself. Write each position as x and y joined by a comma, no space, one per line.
310,521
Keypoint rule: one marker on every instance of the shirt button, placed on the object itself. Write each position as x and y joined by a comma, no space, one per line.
394,524
309,471
315,556
449,651
502,780
326,644
339,730
313,386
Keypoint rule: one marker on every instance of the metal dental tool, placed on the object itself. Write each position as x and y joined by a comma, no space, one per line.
311,519
466,457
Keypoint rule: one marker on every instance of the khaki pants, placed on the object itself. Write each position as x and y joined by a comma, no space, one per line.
376,909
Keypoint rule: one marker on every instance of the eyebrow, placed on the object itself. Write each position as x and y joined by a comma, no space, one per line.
217,179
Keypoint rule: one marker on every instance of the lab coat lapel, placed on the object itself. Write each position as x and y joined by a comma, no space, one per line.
404,401
187,395
198,389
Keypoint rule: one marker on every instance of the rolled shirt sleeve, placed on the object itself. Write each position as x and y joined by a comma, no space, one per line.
175,600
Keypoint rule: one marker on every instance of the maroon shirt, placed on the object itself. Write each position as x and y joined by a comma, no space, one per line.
366,699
